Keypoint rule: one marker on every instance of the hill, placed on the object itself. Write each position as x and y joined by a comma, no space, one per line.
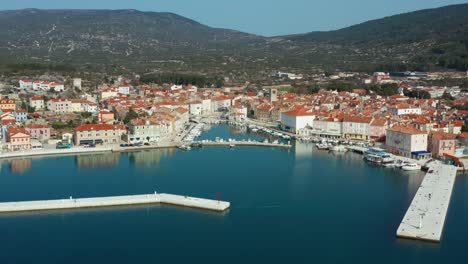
423,39
151,42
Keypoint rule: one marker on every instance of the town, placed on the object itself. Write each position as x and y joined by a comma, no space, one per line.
39,114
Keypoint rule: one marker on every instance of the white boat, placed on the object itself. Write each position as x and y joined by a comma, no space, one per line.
232,145
338,148
411,167
254,129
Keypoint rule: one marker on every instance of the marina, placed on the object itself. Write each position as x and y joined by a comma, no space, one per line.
74,203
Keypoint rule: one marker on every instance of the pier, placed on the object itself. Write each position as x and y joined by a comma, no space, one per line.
245,144
426,215
154,198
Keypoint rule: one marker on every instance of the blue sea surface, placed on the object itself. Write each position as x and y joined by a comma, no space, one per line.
287,206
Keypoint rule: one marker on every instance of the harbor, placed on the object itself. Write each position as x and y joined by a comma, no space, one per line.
76,203
426,215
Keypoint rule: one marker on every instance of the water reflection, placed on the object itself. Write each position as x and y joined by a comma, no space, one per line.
20,166
150,158
97,160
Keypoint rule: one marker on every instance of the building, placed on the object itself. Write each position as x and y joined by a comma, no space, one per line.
295,120
378,129
407,141
77,83
18,139
104,134
39,131
21,115
26,84
356,127
196,108
37,102
441,143
7,105
404,109
105,116
60,105
144,130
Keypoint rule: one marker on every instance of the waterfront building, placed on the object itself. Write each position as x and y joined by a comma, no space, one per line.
196,107
144,130
18,139
325,127
297,119
356,127
441,143
407,141
104,134
378,129
39,131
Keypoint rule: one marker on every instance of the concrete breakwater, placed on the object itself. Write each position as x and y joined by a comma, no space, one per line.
155,198
426,215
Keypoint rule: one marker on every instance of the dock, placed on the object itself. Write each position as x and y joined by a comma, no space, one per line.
357,149
154,198
426,215
245,144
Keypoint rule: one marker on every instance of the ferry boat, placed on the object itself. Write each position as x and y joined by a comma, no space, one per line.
411,167
378,155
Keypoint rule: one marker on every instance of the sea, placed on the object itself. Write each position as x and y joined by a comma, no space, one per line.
298,205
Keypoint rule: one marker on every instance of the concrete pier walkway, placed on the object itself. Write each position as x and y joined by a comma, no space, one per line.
245,144
154,198
426,215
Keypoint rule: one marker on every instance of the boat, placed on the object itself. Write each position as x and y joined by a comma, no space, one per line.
338,148
411,167
232,145
323,146
378,155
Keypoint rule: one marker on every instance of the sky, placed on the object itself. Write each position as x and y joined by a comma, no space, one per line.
263,17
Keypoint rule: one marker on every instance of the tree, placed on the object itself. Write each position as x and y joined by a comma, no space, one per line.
130,116
447,96
86,114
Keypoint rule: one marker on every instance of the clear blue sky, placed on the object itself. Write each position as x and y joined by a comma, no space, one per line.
264,17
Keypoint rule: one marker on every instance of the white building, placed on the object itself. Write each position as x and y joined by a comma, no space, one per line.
295,120
77,83
407,141
404,109
26,84
195,108
123,89
37,102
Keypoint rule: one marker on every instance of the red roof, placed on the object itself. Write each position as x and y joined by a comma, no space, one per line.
89,127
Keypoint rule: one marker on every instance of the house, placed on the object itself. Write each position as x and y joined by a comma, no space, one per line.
404,109
196,108
39,131
104,134
123,89
144,130
407,141
378,128
18,139
105,116
21,115
60,105
295,120
237,113
356,127
37,102
325,128
7,104
26,84
441,143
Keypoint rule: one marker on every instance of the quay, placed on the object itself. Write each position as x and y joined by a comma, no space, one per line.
426,215
54,152
154,198
245,144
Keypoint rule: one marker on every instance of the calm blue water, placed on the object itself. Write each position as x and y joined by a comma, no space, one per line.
288,206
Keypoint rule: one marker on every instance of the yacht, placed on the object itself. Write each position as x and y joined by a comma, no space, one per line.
339,148
378,155
411,167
